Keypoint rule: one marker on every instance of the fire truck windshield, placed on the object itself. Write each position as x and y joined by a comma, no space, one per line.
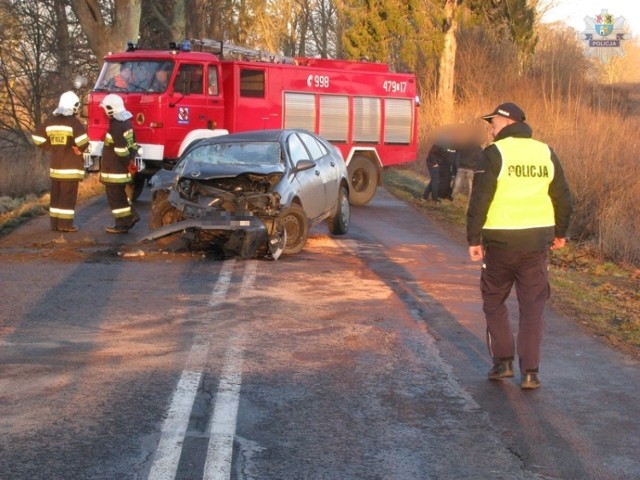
135,76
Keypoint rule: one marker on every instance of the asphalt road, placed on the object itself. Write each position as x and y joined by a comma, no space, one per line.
361,358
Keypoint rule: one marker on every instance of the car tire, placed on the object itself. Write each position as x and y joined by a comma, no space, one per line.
339,223
364,180
295,223
163,213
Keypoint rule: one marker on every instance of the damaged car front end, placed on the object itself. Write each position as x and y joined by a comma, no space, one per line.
243,195
236,216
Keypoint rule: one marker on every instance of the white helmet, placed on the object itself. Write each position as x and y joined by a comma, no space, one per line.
112,104
69,104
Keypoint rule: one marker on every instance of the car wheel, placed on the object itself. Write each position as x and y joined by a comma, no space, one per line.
296,227
134,189
339,223
364,180
163,213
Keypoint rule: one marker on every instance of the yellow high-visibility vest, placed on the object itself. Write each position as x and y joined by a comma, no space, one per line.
522,194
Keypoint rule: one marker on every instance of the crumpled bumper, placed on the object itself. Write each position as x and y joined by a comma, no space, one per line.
251,231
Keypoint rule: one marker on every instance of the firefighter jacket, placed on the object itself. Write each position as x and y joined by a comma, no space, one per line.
119,148
66,138
520,198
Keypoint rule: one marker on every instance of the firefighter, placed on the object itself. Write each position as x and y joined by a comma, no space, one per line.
65,137
519,208
117,163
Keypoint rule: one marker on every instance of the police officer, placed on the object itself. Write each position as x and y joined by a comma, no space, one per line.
520,207
115,173
65,137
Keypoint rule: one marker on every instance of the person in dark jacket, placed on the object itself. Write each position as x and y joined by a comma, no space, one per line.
65,137
520,207
440,162
118,152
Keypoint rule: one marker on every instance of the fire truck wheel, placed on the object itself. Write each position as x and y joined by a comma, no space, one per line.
364,180
134,189
297,228
339,223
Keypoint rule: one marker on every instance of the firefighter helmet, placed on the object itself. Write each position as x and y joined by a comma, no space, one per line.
112,105
69,104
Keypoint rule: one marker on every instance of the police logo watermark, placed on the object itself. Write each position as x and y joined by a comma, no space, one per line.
604,36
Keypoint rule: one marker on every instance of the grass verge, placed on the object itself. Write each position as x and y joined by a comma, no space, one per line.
602,297
16,211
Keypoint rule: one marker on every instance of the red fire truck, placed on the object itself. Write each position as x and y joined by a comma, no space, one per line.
366,111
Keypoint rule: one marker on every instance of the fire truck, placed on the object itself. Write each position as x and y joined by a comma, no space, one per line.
368,112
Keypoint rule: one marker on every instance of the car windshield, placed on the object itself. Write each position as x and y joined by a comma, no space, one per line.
249,154
137,76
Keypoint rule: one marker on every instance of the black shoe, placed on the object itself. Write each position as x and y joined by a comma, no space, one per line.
529,381
502,369
117,229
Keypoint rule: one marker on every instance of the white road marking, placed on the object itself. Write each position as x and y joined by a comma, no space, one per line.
248,278
222,285
174,428
222,429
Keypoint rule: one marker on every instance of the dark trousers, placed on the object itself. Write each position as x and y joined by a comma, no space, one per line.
529,272
119,204
62,204
433,188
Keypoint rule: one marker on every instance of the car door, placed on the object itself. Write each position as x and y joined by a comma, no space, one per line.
326,165
309,182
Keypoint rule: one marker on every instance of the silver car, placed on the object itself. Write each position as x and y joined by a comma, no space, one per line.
249,194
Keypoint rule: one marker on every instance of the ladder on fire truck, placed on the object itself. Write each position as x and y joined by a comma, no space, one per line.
221,48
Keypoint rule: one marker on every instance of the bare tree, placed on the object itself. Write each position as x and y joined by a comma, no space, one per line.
108,25
28,67
322,20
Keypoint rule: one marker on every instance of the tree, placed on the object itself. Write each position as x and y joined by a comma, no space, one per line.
35,66
446,67
510,19
323,37
108,26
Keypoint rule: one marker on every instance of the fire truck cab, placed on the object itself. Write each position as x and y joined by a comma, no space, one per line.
366,111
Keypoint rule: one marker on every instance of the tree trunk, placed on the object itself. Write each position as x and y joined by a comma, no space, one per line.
63,51
446,69
103,38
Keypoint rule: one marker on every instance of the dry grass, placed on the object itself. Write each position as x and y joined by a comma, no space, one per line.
24,172
14,211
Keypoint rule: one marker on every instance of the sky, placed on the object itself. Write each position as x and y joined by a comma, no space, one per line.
573,12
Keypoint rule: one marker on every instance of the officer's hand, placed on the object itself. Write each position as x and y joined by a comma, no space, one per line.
558,243
476,253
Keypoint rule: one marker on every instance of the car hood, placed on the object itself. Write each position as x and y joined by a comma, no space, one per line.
209,172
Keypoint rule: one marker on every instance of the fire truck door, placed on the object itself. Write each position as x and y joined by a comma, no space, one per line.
188,102
311,185
215,107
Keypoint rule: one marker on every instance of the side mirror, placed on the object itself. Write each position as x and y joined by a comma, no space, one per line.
305,165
